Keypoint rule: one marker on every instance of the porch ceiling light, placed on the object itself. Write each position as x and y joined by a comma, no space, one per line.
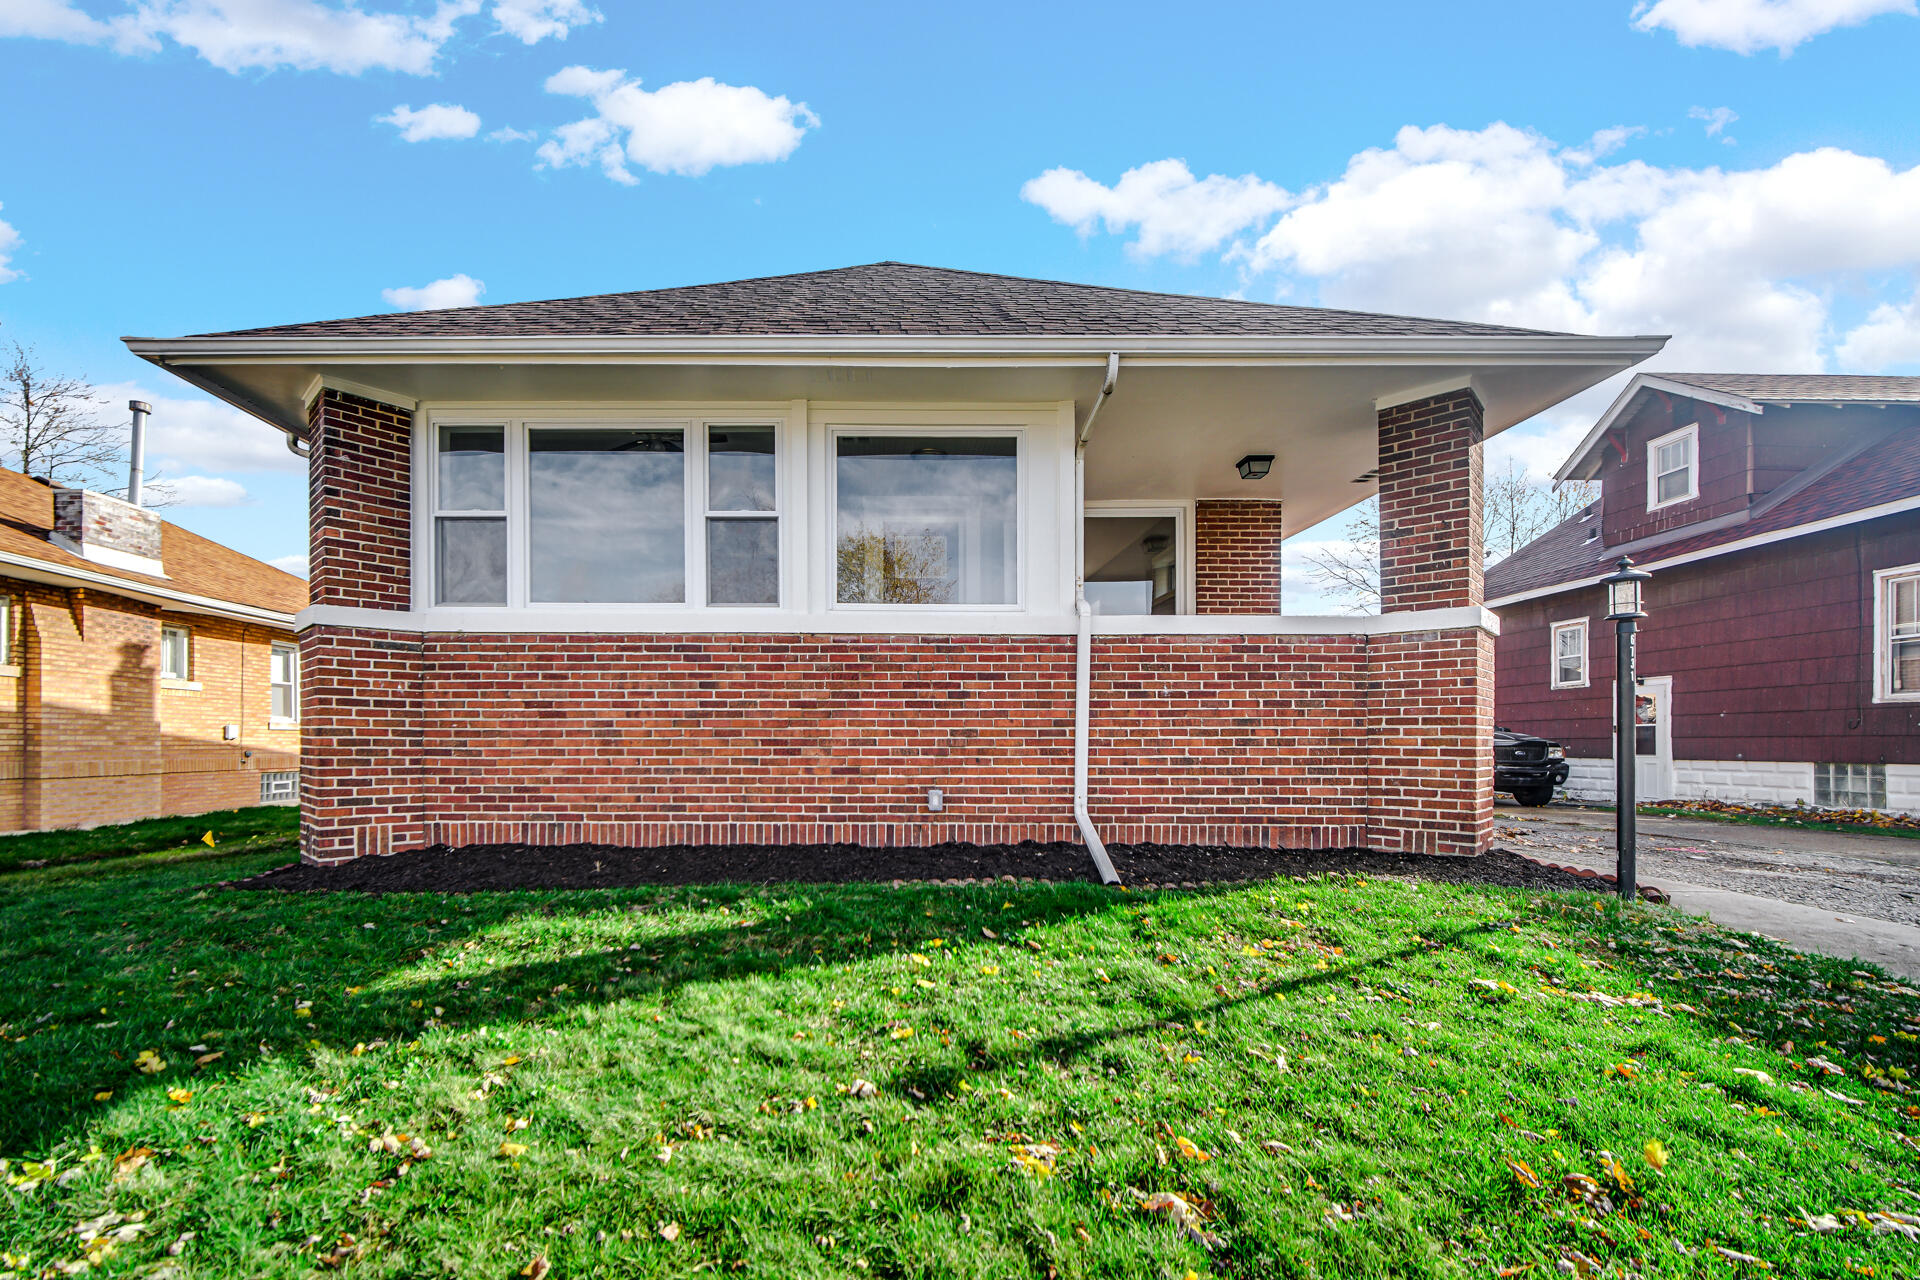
1255,466
1624,590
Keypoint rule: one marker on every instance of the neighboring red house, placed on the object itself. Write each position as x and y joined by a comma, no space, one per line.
145,671
802,559
1780,518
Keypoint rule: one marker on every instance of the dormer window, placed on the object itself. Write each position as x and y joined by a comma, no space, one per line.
1673,468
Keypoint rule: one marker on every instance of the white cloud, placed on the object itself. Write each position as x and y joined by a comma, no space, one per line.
1503,225
454,291
1748,26
305,35
687,128
1888,338
531,21
200,435
1173,211
436,120
1717,118
294,564
9,242
205,491
512,135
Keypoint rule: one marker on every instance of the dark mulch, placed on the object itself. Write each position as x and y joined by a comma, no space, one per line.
588,866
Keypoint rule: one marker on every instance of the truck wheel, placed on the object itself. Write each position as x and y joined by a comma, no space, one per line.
1533,797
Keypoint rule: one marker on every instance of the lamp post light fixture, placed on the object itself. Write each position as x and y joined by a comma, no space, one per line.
1625,607
1254,466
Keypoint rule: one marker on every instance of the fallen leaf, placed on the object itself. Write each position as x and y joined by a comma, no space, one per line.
512,1150
1655,1153
863,1089
1189,1150
669,1231
1522,1172
536,1269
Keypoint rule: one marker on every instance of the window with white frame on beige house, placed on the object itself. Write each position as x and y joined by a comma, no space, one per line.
283,684
1569,654
1897,634
1673,468
176,653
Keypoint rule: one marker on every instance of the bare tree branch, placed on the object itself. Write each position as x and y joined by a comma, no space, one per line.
49,425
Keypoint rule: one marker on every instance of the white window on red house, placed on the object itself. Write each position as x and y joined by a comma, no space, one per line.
925,519
1899,638
176,653
1672,475
470,516
284,682
606,515
1570,654
743,522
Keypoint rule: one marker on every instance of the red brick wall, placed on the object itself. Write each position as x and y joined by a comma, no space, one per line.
1430,495
360,550
1236,557
1275,741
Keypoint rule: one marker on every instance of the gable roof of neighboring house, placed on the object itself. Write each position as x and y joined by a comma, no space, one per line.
1748,392
1882,478
202,576
880,298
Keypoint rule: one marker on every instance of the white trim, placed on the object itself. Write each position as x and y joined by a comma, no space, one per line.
1882,640
1644,382
1463,382
108,556
1553,654
184,686
183,677
31,570
744,621
1691,434
274,650
347,386
1725,548
1186,588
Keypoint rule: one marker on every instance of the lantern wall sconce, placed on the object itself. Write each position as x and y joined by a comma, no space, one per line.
1254,466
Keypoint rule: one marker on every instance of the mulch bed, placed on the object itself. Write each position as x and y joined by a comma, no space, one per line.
440,869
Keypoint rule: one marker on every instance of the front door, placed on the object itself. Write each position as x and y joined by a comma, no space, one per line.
1653,739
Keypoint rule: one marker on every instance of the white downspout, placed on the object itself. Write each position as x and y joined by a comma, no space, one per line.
1083,647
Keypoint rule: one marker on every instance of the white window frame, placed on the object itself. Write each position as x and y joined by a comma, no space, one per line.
830,517
1883,580
1553,654
1181,510
283,722
186,674
7,611
436,513
776,513
1690,433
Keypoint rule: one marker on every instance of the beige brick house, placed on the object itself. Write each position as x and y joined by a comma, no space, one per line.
145,671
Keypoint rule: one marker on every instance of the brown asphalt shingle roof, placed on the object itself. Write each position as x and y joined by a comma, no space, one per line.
196,565
1886,471
1832,388
879,298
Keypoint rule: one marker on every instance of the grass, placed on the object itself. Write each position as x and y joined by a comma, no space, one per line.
264,827
662,1082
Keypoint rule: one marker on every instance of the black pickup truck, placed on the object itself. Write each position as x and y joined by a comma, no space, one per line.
1528,767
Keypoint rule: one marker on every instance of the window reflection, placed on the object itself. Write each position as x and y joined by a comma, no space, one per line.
1131,564
926,519
606,516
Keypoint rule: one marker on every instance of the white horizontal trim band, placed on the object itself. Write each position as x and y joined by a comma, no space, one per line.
1722,549
19,566
771,622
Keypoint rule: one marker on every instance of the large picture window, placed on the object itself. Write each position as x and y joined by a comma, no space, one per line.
926,519
606,515
1897,639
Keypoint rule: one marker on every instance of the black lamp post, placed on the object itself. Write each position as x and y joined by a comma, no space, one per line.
1624,606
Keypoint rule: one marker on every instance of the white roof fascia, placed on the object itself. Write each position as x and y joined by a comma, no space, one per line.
14,565
1646,382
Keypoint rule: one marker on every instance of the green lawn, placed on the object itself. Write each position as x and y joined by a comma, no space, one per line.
264,827
645,1083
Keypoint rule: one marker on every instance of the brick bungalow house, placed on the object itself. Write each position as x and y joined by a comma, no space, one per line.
801,559
144,670
1780,662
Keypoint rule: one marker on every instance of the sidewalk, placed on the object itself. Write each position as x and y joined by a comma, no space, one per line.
1894,947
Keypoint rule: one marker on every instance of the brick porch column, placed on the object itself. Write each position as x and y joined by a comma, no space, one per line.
1430,503
360,704
1430,729
1236,554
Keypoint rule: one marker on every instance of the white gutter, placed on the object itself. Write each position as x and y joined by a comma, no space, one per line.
1083,640
32,570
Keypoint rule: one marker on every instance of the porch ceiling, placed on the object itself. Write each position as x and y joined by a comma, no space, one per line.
1184,410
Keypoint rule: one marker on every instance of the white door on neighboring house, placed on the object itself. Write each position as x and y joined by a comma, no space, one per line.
1653,739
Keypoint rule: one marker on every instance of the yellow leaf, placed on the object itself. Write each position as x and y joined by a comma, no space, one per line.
207,839
180,1096
1522,1174
900,1033
512,1150
989,969
103,1095
1189,1150
1655,1153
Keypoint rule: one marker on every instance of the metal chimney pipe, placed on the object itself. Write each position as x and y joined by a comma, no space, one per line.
137,469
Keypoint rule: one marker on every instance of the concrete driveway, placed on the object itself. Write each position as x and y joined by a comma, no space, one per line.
1852,896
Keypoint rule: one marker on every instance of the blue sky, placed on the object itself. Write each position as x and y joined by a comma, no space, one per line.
1742,173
